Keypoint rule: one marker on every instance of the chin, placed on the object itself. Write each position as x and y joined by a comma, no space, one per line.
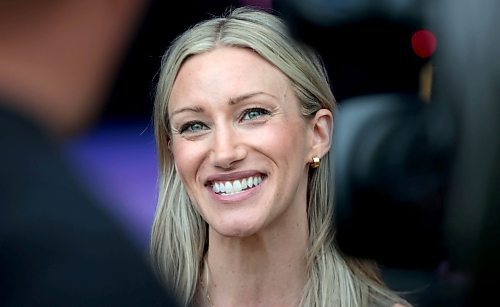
238,229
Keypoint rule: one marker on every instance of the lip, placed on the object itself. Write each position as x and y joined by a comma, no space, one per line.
239,197
232,176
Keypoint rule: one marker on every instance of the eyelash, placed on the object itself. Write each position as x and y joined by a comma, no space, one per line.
185,127
248,111
188,127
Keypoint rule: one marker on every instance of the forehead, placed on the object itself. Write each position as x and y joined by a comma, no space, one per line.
226,72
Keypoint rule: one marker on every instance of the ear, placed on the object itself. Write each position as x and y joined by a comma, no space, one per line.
322,129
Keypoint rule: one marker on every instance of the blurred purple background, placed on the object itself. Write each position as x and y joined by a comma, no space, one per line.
117,163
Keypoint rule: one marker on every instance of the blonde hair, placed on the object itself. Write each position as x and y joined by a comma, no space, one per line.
179,234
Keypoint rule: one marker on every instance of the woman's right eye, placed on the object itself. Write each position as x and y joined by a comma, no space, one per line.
193,127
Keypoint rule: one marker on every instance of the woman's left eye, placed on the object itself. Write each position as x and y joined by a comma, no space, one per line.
254,113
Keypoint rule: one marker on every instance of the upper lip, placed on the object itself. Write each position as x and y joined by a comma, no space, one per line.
232,176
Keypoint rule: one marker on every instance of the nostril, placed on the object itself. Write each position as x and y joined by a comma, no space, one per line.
228,157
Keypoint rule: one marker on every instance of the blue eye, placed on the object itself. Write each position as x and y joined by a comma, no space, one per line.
191,127
254,113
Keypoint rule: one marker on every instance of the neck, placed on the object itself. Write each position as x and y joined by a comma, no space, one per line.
266,269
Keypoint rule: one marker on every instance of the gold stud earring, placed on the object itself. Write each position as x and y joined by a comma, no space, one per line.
315,163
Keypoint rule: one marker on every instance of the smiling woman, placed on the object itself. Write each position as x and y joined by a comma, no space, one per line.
243,115
239,123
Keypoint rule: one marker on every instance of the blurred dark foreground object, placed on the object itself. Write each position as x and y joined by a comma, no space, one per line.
417,184
57,245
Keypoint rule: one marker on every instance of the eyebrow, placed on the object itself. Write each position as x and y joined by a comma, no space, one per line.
232,101
238,99
191,109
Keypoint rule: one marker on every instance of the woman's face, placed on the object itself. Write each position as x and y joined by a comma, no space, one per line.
240,145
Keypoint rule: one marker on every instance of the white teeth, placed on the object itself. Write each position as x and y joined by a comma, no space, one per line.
229,188
236,186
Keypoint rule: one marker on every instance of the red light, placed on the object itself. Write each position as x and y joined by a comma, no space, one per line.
423,43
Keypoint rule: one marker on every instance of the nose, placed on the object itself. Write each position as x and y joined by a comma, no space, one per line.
227,148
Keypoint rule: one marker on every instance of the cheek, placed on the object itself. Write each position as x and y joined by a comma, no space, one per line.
187,158
284,142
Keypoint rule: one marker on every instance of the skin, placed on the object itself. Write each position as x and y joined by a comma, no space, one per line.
234,116
58,58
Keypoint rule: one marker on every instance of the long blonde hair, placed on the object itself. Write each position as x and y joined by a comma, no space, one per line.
179,234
